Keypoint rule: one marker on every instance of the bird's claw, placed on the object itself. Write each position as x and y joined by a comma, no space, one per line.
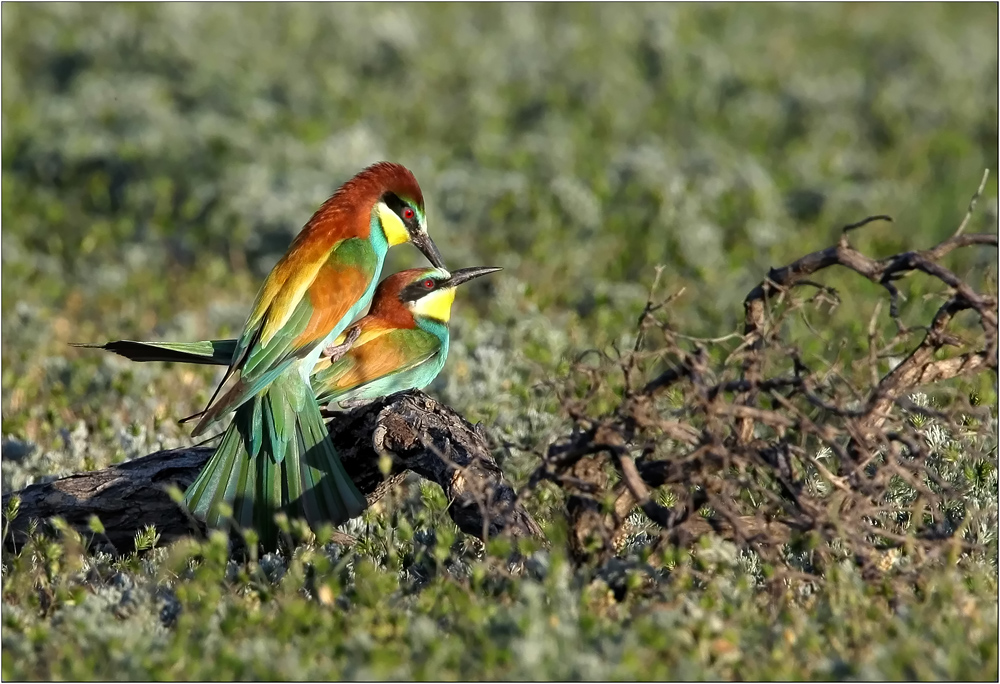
353,403
335,351
334,407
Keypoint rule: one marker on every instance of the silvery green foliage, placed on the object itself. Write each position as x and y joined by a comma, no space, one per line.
966,460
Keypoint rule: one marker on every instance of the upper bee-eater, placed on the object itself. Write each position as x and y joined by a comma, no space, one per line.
401,344
276,453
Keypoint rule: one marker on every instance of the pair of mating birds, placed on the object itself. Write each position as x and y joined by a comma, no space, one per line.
297,353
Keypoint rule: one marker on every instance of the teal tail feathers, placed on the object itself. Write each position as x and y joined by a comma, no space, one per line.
211,352
275,456
231,477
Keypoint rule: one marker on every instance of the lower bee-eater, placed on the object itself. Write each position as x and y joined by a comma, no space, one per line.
276,453
403,341
401,344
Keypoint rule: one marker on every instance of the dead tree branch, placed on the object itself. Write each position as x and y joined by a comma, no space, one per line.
420,434
743,451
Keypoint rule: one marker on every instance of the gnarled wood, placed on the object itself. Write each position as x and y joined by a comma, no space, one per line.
418,433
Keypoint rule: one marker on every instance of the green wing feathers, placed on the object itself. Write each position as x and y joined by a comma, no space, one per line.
294,314
374,365
312,301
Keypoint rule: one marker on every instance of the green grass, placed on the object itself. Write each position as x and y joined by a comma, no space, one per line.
157,159
327,616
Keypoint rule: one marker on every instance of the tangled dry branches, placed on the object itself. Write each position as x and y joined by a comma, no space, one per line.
781,458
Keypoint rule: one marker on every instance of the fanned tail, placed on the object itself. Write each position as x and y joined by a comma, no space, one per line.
325,493
275,456
236,476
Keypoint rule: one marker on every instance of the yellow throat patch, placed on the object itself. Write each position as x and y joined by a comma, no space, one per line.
436,305
395,231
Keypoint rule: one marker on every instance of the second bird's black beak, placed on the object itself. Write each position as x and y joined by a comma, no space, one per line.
464,275
423,242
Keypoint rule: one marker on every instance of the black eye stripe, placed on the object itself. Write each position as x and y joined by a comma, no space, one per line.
392,201
415,291
398,206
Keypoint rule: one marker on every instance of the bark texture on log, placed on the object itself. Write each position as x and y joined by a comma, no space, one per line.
418,433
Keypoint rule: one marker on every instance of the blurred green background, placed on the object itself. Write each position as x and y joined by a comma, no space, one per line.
158,159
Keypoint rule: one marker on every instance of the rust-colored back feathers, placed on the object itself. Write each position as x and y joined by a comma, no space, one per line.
346,213
386,305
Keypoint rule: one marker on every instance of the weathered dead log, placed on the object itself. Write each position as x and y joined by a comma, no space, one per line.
418,433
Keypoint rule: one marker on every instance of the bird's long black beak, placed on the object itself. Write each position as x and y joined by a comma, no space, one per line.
423,242
464,275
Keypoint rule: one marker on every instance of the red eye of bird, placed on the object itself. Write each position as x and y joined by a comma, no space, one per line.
408,214
428,284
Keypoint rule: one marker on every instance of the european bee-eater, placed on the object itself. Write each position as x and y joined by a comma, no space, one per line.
401,344
276,453
403,341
